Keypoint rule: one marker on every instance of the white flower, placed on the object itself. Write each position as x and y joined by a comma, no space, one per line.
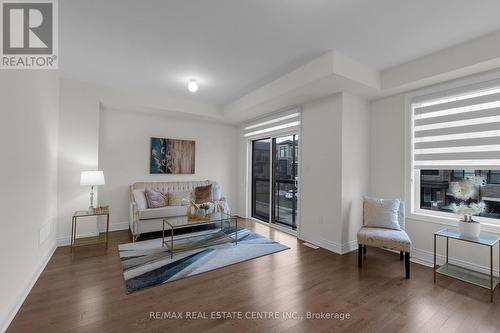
472,209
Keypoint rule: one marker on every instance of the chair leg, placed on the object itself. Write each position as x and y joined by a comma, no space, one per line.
364,249
407,264
360,255
401,255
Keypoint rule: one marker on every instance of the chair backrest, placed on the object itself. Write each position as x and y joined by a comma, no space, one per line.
401,215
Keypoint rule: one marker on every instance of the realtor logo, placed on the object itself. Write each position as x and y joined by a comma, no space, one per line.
29,34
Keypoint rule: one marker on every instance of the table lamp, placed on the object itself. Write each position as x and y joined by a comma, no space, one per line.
92,178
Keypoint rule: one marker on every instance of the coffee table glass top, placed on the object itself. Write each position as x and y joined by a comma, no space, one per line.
484,238
185,221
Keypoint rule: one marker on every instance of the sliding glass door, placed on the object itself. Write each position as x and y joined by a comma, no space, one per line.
275,180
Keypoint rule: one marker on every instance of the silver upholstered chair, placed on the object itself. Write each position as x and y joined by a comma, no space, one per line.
387,239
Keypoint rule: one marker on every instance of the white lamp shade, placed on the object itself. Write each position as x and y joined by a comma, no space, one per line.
92,178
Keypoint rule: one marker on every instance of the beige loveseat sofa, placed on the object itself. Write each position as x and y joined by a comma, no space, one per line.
144,219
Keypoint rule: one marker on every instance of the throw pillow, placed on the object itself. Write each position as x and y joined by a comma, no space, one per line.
203,194
155,199
381,213
216,192
179,198
140,199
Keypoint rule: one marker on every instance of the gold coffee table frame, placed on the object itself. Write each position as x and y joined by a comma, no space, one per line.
182,222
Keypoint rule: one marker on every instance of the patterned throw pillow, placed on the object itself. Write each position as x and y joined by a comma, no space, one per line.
179,198
203,194
155,199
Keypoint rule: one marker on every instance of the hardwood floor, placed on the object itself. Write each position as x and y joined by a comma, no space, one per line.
84,291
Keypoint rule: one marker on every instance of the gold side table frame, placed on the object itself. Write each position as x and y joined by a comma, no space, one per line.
101,238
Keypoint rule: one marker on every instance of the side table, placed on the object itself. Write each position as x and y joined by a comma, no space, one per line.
102,237
488,281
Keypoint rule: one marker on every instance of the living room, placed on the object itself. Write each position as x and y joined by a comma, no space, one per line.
335,157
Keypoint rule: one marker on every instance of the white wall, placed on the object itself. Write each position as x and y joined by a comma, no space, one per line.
387,180
28,174
355,166
124,154
321,182
80,108
334,170
78,151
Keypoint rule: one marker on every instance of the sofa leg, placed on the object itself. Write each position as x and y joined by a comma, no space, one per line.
364,249
407,264
401,255
360,255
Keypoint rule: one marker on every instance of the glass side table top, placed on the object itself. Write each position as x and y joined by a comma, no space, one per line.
484,238
85,213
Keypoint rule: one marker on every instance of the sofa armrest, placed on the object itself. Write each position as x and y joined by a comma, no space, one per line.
134,217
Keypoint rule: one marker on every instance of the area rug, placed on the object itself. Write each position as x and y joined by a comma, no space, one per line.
147,263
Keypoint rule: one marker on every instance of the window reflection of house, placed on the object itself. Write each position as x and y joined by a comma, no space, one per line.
285,159
435,189
434,185
261,158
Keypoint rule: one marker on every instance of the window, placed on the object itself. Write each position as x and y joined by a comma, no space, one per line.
455,138
430,172
436,194
494,177
283,151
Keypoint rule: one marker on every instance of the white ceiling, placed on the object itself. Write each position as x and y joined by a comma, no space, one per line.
235,46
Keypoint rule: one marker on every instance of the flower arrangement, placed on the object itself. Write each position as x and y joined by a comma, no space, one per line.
466,190
204,206
200,210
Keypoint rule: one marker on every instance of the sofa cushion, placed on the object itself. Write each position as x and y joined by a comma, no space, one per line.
140,199
179,198
385,238
155,199
381,213
203,194
167,211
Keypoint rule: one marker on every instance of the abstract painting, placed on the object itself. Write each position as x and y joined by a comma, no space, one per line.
172,156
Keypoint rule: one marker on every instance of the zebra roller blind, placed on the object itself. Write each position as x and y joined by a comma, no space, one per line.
275,123
458,133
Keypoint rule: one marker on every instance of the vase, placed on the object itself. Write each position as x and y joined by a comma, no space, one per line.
201,213
470,229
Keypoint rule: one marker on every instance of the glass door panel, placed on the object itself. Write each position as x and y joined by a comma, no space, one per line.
285,180
261,180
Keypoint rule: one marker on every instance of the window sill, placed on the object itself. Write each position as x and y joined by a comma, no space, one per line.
450,221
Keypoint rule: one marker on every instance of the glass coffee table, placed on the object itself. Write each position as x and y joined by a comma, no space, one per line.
182,222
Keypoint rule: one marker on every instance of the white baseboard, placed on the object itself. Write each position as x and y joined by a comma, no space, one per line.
66,240
418,256
349,247
329,245
36,275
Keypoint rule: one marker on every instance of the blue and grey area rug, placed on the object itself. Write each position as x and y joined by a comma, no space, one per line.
147,263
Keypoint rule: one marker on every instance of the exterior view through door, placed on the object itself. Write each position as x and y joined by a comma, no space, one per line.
275,180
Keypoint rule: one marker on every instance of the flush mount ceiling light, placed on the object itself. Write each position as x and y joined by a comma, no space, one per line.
192,86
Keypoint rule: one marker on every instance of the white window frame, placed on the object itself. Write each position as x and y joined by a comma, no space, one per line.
411,186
